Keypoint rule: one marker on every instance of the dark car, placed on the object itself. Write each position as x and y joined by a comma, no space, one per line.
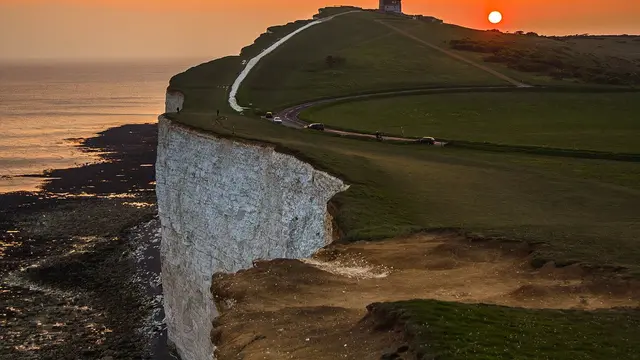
427,140
269,115
315,126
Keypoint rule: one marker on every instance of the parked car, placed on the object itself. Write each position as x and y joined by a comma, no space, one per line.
277,120
427,140
315,126
269,115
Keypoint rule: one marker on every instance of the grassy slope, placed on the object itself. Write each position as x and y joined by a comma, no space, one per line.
376,59
607,47
466,332
441,34
609,54
206,86
587,121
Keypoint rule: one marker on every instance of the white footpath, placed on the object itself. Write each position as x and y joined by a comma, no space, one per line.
233,101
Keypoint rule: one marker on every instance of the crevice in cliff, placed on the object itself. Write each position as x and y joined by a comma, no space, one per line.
332,210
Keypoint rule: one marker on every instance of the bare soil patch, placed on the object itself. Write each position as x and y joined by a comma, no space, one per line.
313,309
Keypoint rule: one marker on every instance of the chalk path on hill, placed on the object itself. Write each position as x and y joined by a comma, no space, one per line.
233,101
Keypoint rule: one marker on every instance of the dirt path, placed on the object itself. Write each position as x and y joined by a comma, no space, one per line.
311,309
456,56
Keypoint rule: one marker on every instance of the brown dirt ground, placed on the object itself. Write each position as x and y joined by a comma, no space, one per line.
313,309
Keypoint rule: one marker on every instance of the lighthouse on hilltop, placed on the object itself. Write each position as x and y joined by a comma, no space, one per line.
391,6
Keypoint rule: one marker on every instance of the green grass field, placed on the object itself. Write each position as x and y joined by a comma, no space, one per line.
587,121
569,209
376,59
474,332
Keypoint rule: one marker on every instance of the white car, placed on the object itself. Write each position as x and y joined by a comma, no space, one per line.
427,140
277,120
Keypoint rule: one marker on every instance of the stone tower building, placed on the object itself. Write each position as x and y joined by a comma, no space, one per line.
391,6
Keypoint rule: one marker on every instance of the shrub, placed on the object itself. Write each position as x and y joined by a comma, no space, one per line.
557,62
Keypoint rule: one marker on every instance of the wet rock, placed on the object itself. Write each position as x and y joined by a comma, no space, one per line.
88,352
390,356
82,277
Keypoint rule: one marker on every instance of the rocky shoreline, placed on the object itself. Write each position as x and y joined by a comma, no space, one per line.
79,260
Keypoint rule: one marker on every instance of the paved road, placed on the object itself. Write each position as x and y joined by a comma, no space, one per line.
291,116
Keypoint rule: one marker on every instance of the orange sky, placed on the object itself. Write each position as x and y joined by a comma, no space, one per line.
106,29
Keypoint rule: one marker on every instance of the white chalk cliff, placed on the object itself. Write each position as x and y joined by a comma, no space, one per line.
174,100
223,204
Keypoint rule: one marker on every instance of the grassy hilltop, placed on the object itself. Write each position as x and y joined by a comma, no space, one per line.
371,52
384,52
532,167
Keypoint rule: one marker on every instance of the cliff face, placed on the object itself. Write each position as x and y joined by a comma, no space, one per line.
174,101
222,205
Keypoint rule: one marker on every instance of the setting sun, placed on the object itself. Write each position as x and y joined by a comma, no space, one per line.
495,17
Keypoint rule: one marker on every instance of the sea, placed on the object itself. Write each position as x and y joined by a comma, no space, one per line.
47,108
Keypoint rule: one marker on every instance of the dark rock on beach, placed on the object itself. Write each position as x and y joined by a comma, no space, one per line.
71,286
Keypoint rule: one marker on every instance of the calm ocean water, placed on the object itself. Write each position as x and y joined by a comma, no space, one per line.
43,108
